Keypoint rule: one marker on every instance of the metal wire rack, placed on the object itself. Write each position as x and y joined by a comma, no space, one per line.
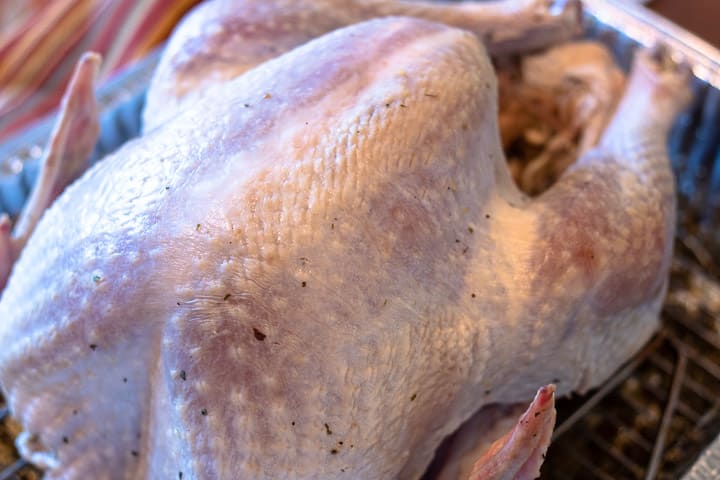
656,415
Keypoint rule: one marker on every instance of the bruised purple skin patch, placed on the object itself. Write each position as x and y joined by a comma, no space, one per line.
595,244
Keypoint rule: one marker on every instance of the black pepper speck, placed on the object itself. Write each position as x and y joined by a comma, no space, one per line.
259,336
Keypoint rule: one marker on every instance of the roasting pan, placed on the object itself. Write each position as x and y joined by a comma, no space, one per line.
659,415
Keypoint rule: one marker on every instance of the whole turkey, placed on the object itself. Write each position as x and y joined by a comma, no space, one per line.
315,264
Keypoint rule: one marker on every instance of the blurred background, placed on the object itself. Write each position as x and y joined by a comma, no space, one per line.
40,40
698,16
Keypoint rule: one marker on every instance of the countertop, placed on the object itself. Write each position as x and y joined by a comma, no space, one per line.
702,17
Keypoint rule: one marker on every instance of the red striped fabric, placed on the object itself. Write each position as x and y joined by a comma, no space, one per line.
40,41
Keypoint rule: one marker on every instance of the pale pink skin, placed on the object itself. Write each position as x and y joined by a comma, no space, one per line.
328,281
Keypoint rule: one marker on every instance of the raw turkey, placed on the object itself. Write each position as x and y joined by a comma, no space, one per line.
320,267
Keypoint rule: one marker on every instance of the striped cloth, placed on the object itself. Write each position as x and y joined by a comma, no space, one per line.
40,42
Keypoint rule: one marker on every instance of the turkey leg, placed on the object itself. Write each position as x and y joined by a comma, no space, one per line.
510,26
604,233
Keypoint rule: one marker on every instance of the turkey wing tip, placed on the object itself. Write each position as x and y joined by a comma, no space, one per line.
521,452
